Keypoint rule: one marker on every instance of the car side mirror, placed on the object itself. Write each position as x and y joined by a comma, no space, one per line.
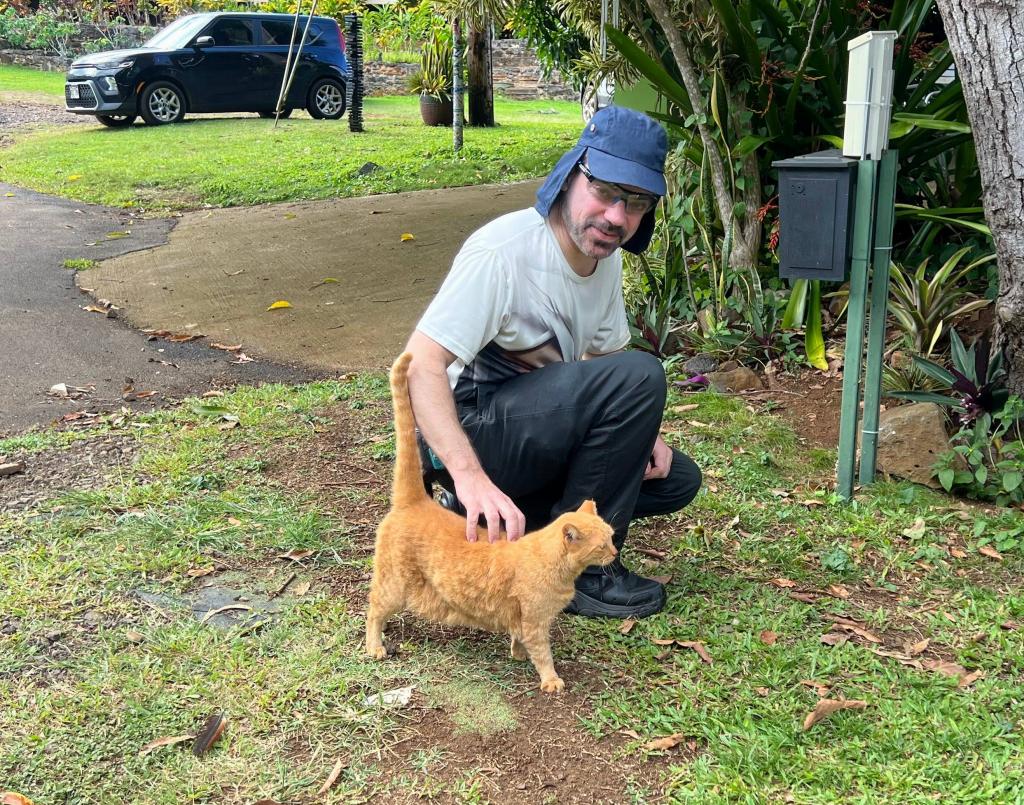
204,42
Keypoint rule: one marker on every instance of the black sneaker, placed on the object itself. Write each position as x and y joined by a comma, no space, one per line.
449,501
615,592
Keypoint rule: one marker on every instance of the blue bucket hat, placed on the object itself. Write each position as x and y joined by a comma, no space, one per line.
622,146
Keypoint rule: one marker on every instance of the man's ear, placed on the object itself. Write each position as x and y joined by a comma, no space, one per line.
570,533
588,507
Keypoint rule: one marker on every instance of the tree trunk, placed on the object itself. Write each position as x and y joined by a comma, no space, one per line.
481,82
458,87
987,40
744,249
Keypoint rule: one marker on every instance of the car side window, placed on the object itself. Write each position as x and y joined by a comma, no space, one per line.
229,32
278,32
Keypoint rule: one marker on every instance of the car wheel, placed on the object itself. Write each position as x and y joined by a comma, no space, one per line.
162,102
286,112
326,99
116,121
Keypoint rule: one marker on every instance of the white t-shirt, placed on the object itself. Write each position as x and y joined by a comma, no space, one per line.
512,303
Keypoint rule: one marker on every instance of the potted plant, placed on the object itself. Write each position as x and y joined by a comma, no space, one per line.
433,82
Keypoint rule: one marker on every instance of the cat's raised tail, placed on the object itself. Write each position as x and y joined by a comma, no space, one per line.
407,487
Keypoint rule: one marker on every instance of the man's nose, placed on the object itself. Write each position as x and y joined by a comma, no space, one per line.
616,213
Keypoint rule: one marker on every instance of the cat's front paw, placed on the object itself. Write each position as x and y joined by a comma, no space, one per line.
379,653
554,685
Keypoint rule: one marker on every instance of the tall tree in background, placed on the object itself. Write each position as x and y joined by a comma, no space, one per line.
477,15
987,40
479,63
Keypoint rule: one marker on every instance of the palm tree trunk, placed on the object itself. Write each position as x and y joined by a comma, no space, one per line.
481,84
458,88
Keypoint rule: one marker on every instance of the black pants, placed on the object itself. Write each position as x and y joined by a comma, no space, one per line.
569,432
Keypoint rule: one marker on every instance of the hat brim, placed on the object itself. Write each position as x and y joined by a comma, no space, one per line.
624,171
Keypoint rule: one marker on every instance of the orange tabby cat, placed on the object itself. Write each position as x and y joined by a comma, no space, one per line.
423,561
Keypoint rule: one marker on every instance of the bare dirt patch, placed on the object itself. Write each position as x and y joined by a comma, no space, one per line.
548,757
26,111
809,402
81,466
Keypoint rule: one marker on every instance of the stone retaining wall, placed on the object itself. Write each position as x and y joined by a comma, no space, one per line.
517,73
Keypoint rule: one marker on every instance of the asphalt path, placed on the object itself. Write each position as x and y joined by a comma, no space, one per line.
47,337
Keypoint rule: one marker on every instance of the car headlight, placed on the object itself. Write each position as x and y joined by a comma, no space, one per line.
116,65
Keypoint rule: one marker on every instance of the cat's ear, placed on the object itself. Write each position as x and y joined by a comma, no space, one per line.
588,507
570,533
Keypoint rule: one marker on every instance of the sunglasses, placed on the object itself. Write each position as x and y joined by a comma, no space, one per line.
611,193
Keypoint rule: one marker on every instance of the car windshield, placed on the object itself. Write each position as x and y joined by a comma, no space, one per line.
178,33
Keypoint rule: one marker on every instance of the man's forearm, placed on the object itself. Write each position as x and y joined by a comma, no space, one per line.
434,408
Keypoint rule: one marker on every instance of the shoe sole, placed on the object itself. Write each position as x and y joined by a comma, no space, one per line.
593,608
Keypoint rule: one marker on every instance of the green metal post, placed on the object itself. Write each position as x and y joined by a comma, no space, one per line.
863,232
884,215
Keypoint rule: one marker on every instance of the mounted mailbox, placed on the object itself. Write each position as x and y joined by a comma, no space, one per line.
816,193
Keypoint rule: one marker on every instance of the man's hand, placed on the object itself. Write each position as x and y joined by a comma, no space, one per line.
479,495
661,460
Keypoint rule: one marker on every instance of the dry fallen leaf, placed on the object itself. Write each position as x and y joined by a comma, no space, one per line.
834,639
228,608
768,637
134,637
970,679
918,647
279,305
1010,626
990,552
838,590
661,744
663,642
627,626
199,572
903,659
301,589
957,553
784,583
332,778
661,579
407,236
827,707
226,348
807,598
632,734
682,409
210,734
696,646
295,555
945,667
169,741
847,625
820,688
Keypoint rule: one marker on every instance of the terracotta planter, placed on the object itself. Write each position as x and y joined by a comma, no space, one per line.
435,112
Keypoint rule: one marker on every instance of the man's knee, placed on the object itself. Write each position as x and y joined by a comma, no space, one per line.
642,376
688,478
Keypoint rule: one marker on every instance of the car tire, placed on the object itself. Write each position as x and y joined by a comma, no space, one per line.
286,112
162,102
326,100
116,121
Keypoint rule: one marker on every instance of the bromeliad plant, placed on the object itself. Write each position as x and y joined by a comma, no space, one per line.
925,308
975,385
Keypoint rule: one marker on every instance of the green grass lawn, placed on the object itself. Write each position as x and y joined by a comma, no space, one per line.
245,160
762,563
24,79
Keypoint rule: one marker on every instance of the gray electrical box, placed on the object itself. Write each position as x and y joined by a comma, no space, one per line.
816,193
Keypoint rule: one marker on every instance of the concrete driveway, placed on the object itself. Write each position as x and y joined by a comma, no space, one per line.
48,338
355,288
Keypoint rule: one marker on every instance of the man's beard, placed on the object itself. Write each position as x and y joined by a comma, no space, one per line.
578,233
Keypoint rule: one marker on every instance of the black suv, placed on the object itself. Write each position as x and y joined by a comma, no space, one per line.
216,62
